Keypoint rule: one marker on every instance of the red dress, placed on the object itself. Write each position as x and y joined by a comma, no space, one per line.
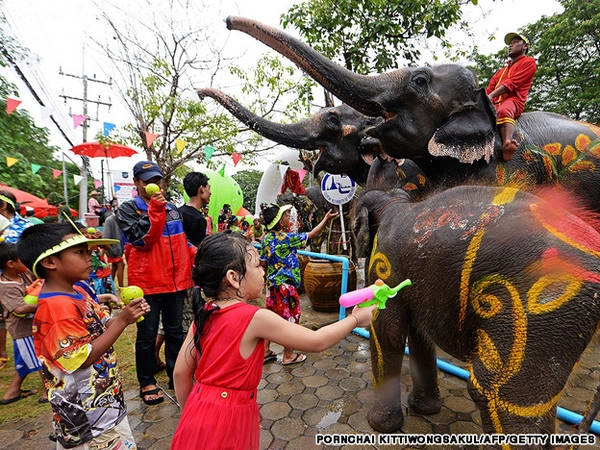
221,411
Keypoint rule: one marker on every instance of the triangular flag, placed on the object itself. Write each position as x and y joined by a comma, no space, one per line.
56,173
180,144
11,161
208,152
97,183
11,104
222,171
236,158
35,168
302,173
150,138
78,119
108,127
77,179
283,169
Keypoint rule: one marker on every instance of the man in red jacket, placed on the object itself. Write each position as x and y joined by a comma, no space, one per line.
159,260
509,87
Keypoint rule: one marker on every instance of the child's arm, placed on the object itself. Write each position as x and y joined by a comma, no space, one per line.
330,215
184,369
114,327
268,325
24,309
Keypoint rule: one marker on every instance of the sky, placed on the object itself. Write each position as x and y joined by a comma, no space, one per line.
57,33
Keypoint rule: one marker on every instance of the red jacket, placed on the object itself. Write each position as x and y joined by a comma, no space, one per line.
159,258
517,77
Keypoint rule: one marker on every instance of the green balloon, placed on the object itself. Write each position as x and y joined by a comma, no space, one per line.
223,189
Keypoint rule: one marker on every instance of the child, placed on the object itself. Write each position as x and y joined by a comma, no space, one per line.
278,253
13,283
224,348
73,338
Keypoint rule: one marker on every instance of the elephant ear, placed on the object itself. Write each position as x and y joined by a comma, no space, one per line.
469,133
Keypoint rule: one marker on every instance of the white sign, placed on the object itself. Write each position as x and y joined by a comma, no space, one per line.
123,186
338,189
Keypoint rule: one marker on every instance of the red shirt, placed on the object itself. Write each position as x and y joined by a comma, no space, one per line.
517,77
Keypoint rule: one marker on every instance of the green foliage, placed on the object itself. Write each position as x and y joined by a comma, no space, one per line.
248,181
373,35
567,49
21,139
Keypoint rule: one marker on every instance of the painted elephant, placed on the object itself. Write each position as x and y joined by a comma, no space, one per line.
502,279
438,117
339,134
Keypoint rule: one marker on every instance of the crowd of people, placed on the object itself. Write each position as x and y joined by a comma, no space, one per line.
60,284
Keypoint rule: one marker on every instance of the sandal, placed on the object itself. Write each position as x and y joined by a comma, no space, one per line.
3,362
22,394
297,359
271,356
151,401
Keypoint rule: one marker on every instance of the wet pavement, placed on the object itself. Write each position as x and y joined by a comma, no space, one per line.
329,393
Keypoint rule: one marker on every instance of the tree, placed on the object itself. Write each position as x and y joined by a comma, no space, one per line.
248,181
373,35
567,48
159,62
21,139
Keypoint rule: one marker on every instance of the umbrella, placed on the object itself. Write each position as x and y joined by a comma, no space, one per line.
41,207
99,150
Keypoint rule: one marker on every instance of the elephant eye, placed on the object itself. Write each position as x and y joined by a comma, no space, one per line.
333,121
420,80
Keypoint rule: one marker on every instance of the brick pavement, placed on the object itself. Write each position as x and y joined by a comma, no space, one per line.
329,393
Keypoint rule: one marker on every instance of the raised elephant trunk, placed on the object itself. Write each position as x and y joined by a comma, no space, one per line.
359,91
296,135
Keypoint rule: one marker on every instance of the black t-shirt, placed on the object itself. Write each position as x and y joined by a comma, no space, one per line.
194,224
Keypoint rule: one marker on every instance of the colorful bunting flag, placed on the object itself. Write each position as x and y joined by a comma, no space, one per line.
150,138
56,173
97,183
108,127
77,179
222,171
78,119
35,168
302,173
208,152
11,104
11,161
180,144
236,158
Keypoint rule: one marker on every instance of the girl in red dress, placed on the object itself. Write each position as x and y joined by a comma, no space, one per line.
220,363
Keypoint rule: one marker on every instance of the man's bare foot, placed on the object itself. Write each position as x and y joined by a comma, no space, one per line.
508,149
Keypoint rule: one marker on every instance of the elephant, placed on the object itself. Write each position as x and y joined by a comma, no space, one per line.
438,117
502,279
339,134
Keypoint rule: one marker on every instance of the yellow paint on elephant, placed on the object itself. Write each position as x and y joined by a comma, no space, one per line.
465,275
572,288
595,149
505,196
582,165
569,155
375,340
582,142
383,267
553,148
488,353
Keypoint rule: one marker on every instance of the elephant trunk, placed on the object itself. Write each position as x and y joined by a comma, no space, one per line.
296,135
359,91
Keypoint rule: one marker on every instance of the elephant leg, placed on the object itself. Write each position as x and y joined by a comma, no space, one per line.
387,351
425,395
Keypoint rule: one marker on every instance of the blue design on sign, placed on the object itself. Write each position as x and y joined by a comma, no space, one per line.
338,189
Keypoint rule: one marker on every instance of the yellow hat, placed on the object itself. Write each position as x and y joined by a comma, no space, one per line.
510,36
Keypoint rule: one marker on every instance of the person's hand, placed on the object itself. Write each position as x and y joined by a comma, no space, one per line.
135,309
330,214
363,315
159,197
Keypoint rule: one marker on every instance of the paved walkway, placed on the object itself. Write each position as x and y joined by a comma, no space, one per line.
329,393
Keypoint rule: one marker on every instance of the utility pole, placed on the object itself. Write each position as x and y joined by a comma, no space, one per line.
85,101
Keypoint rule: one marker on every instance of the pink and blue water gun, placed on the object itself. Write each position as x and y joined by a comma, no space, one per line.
377,293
